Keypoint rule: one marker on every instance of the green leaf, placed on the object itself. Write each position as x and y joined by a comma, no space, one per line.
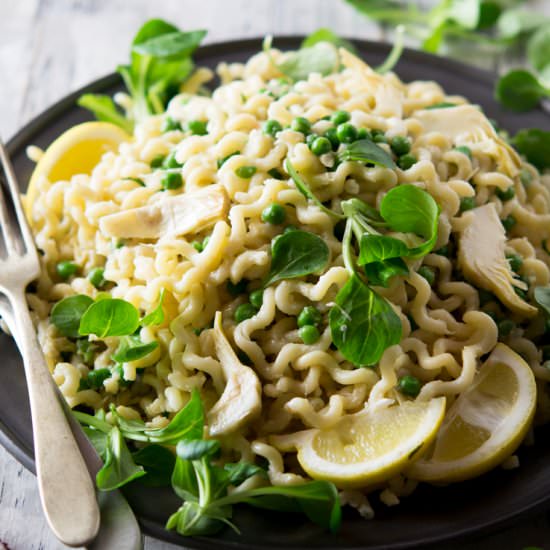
376,248
409,209
240,471
195,449
187,424
193,519
533,144
512,23
152,29
109,317
104,108
489,14
306,191
184,480
362,323
519,90
98,439
67,313
119,468
434,41
465,12
320,58
326,35
538,48
319,500
158,462
170,44
365,150
156,317
542,297
296,254
380,273
381,256
132,348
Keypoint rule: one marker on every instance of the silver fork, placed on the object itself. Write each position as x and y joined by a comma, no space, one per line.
66,487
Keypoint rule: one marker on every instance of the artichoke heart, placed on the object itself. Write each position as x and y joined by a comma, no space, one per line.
482,258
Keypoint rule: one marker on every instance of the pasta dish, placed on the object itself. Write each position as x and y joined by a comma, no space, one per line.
349,274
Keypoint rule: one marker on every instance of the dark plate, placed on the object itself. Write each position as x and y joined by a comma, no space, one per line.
431,515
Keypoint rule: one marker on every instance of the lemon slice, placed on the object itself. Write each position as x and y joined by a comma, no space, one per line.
369,447
485,424
76,151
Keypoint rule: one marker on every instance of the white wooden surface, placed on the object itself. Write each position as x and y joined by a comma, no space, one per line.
49,48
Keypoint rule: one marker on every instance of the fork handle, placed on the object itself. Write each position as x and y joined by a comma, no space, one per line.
66,487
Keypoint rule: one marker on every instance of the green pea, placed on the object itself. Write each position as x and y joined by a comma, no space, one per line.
244,312
198,127
507,194
485,297
508,222
467,203
339,117
272,127
332,135
400,145
157,162
309,334
492,315
363,133
235,289
290,228
310,138
525,177
515,262
409,385
443,251
275,214
275,174
505,327
406,161
428,273
66,269
321,146
169,125
171,181
464,150
346,133
301,124
245,172
221,162
171,162
96,378
256,298
96,277
309,316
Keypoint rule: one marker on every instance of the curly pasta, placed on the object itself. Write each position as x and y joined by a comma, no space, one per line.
448,326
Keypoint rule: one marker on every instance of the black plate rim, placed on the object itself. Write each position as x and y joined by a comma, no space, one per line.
11,441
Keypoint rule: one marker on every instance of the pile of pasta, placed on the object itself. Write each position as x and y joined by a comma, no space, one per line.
447,326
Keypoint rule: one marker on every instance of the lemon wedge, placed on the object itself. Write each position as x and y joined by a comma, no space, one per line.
485,424
372,446
76,151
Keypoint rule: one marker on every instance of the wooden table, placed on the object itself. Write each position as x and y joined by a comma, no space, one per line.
49,48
